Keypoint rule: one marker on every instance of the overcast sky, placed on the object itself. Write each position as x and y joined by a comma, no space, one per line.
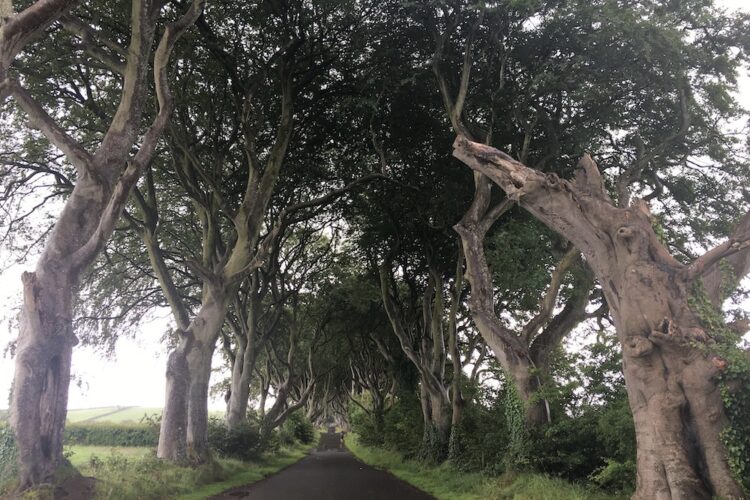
135,376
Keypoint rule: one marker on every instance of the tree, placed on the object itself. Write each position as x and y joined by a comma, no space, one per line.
104,179
669,367
522,352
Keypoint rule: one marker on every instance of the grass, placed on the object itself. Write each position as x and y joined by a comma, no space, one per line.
135,473
80,456
254,471
445,482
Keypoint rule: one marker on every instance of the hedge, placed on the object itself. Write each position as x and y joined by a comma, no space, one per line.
111,434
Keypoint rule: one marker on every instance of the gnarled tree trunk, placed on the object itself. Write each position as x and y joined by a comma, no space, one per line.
185,417
669,371
42,375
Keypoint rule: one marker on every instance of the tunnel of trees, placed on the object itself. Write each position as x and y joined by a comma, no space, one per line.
503,234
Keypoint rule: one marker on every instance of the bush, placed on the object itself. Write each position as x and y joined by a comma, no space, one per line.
482,435
111,434
365,426
300,428
616,476
403,430
242,443
8,467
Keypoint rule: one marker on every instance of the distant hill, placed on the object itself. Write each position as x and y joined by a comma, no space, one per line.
117,414
112,414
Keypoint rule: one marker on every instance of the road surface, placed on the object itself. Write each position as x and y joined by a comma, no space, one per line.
329,473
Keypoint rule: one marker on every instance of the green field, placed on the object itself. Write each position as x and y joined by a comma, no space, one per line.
115,414
118,414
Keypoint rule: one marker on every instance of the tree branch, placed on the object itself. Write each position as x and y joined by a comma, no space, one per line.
143,157
73,151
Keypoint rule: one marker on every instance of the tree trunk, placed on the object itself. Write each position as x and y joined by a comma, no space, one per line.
669,371
509,350
199,366
173,432
676,403
436,414
42,375
240,386
265,386
242,372
188,376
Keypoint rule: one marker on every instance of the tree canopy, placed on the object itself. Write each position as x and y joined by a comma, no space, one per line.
286,187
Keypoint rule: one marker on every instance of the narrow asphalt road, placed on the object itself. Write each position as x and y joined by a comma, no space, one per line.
329,473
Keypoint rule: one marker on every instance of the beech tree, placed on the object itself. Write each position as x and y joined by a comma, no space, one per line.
669,367
507,75
104,178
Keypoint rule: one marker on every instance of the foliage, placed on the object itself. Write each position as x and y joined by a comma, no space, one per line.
111,434
299,428
734,381
242,442
483,432
364,424
403,425
433,449
8,465
516,456
615,476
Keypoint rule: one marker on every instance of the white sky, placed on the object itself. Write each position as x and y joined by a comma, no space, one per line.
135,377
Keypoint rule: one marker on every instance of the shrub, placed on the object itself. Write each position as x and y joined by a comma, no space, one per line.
111,434
483,433
403,425
616,476
365,426
242,443
300,428
8,467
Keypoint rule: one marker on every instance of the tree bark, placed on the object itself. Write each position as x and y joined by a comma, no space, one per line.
240,383
670,378
174,418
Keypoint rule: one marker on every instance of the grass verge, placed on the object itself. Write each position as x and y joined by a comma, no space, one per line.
80,456
253,471
136,473
446,483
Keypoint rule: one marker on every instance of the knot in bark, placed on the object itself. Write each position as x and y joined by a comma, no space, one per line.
553,181
626,233
639,346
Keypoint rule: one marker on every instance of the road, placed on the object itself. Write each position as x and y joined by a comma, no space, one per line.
329,473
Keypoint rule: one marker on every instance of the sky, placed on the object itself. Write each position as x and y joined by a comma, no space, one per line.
135,375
